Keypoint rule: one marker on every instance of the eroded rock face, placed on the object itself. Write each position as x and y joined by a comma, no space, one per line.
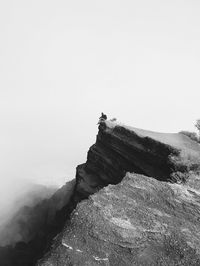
140,221
119,149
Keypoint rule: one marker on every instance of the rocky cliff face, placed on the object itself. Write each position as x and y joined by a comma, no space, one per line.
119,149
142,219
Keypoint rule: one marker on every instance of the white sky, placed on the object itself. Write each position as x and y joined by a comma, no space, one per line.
64,62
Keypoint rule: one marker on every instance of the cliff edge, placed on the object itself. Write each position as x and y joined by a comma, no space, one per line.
142,206
120,149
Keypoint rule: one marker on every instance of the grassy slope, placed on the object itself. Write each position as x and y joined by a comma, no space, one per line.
188,147
177,140
187,161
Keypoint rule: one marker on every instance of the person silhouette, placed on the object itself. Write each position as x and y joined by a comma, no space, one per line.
102,118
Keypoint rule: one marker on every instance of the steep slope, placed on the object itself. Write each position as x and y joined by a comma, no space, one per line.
15,194
28,233
136,222
140,221
10,231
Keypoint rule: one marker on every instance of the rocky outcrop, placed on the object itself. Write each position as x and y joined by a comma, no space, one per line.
141,221
150,217
118,149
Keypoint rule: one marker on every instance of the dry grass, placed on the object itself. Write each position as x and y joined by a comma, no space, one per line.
189,150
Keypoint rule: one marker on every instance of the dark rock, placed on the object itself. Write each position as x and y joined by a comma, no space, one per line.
118,149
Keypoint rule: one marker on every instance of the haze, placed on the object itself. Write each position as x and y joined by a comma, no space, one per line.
64,62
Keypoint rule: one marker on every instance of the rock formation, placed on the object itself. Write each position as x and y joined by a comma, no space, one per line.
148,216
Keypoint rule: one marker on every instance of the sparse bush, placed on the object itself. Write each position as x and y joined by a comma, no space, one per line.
192,135
186,161
113,119
197,125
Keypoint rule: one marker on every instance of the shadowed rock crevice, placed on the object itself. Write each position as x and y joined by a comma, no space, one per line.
36,226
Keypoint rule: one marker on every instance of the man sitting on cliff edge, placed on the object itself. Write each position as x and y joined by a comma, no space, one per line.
102,118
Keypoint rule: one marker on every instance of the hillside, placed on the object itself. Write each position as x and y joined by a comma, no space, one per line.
148,216
28,232
10,231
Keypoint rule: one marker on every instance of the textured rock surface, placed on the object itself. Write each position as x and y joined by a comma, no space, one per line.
119,149
141,221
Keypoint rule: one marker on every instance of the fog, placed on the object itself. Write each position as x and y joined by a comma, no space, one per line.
64,62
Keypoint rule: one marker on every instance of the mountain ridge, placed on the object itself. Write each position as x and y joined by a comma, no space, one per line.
118,150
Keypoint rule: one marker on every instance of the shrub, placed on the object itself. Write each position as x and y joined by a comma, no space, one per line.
113,119
192,135
197,125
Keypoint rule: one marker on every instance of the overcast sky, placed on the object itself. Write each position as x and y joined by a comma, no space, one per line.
63,62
